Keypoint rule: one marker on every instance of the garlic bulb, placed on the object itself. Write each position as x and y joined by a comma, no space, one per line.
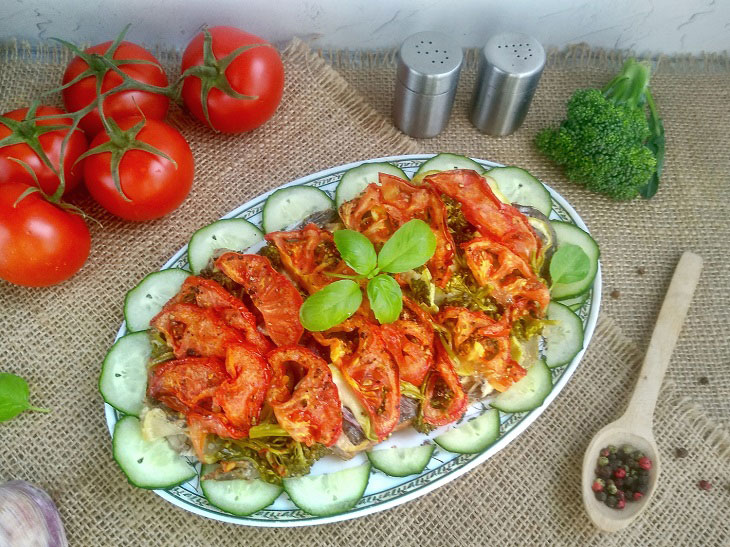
28,517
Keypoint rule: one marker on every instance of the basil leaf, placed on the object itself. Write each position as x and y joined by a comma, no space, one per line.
331,305
356,251
386,298
411,246
14,396
569,264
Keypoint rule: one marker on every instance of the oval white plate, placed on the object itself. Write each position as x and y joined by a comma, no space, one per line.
383,491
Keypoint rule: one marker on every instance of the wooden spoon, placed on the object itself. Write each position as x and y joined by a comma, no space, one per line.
635,426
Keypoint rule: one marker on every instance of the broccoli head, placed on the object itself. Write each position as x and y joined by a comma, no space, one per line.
606,141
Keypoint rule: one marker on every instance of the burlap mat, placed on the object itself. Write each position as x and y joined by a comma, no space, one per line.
528,494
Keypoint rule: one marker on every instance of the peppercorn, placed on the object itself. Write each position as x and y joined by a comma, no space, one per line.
637,496
645,463
620,504
598,485
611,501
619,473
603,472
601,496
680,452
619,483
604,452
611,488
611,449
603,461
643,480
704,485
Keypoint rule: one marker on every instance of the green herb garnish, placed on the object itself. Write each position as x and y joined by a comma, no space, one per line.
569,264
14,397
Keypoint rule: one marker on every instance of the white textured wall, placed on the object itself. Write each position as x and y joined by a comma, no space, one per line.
653,26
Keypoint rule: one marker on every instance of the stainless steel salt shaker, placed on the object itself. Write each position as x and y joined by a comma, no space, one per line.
510,67
429,64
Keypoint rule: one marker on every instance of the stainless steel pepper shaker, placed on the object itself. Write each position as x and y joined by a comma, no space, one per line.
429,64
510,67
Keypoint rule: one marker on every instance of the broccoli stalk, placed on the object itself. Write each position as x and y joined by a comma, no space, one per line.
606,142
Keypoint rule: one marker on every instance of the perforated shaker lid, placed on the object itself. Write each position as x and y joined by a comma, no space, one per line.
429,63
513,62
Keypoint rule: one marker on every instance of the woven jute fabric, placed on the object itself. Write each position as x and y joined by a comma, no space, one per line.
527,494
690,211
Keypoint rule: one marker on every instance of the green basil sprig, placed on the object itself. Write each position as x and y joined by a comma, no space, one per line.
14,397
569,264
411,246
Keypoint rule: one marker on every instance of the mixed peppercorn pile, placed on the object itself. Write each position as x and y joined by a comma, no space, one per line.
622,474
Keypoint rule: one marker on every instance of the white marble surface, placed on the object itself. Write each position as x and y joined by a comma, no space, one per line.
645,26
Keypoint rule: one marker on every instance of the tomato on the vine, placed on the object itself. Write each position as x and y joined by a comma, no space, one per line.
40,243
123,103
257,73
151,185
17,127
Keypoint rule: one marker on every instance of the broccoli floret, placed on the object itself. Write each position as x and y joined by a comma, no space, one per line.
606,141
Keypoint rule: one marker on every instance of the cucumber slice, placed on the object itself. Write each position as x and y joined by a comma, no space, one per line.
401,462
123,380
575,303
239,497
235,234
529,392
473,436
145,301
148,464
563,340
570,234
290,205
446,162
331,493
354,181
519,186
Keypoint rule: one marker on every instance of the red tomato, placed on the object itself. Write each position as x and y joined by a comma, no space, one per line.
117,105
154,185
257,72
273,294
186,384
484,210
444,398
50,142
40,244
206,293
304,397
309,255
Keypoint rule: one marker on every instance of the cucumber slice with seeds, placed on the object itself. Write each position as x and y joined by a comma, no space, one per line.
520,187
570,234
354,181
148,464
145,300
290,205
123,380
401,462
331,493
233,234
528,393
564,339
473,436
446,162
576,302
238,496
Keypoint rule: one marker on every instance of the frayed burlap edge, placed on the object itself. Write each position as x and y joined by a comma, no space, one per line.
345,94
685,408
573,56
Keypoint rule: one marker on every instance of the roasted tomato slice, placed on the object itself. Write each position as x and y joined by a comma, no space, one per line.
444,399
274,296
510,278
484,210
410,341
186,384
382,209
482,346
359,352
194,331
309,255
241,397
207,293
304,396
